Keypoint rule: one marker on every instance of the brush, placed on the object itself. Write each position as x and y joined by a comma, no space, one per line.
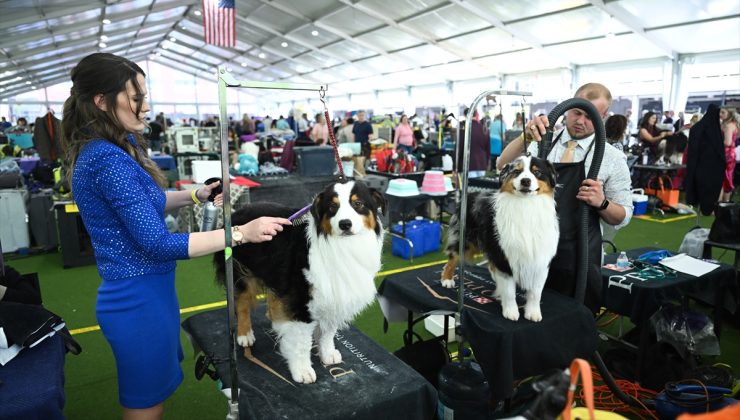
299,217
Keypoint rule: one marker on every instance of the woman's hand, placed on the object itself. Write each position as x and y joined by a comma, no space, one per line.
204,192
263,229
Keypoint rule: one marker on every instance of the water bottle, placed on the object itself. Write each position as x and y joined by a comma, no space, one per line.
622,261
644,157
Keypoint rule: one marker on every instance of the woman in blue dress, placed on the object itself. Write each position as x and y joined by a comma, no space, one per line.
121,198
496,134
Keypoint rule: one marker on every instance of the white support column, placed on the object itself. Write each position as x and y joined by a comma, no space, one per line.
575,77
667,87
681,93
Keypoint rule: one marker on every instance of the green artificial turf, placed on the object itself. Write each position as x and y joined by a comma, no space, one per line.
90,385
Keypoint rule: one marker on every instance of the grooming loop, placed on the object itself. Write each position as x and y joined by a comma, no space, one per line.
322,95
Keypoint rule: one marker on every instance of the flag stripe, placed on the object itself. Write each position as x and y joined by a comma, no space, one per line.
219,22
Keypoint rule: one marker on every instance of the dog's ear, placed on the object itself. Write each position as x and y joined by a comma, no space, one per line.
504,172
316,207
379,199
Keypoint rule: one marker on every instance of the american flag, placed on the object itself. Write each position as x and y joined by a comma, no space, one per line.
219,22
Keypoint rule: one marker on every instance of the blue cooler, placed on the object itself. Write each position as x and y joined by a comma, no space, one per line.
415,232
640,201
433,235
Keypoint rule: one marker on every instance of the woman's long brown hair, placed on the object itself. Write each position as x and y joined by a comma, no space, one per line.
83,121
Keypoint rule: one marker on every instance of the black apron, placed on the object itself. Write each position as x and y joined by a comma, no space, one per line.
564,267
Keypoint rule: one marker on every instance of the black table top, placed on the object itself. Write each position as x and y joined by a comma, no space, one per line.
506,350
640,299
370,383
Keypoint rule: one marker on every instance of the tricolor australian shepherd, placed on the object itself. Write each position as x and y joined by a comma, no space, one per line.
318,273
517,229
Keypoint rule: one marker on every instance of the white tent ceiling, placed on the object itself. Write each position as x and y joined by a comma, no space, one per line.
360,45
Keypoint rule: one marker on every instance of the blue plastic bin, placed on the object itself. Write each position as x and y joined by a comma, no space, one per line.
415,233
22,140
425,234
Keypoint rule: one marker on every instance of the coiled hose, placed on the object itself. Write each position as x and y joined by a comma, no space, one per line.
600,139
593,171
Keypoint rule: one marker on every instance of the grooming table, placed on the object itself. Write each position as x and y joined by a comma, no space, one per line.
498,343
370,383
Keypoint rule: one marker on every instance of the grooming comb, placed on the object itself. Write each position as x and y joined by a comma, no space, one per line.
299,217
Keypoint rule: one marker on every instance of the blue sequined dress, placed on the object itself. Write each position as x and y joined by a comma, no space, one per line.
137,308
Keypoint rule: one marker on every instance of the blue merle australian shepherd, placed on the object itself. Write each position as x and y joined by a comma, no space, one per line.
517,230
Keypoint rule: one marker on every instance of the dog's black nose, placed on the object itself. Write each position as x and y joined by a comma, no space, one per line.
345,224
526,182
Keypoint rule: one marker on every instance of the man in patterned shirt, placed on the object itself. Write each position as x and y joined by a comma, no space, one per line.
610,193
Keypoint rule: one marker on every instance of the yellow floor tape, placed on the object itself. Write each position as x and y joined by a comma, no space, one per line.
222,303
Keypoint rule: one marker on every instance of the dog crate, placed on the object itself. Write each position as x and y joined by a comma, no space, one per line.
315,160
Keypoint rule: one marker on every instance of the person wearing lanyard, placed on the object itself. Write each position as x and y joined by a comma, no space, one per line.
608,196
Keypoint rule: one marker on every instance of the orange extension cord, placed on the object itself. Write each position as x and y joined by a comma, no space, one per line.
605,400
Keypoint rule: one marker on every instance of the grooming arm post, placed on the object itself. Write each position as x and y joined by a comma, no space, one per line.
464,203
226,79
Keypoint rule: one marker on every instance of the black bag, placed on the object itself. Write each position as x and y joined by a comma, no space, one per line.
43,172
426,356
726,225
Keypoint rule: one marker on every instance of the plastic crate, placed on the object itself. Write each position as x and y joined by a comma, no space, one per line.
424,234
315,160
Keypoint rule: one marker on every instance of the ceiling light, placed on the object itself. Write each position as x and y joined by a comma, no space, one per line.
2,89
228,69
106,21
244,64
261,55
27,82
173,39
182,27
33,87
315,32
284,44
164,46
159,54
102,44
197,13
103,37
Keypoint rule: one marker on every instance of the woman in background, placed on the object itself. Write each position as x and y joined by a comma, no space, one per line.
615,127
404,137
496,136
320,131
728,116
518,122
650,136
120,194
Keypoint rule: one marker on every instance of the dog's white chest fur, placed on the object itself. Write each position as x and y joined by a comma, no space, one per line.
528,232
342,275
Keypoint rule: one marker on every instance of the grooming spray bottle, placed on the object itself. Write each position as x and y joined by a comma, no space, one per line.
210,211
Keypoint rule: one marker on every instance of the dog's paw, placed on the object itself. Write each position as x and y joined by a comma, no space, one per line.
333,357
533,313
448,283
246,340
303,374
511,312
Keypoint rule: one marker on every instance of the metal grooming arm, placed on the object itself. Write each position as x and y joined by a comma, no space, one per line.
227,80
464,203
